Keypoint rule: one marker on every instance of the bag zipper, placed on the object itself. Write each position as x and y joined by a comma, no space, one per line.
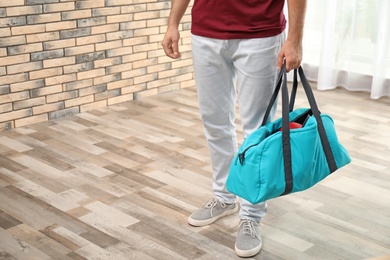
241,156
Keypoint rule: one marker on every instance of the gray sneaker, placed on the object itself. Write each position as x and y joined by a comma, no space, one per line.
212,210
248,241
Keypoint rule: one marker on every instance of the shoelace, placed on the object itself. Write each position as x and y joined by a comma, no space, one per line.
212,203
248,227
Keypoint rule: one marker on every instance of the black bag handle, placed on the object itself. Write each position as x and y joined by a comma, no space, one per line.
288,178
294,90
320,125
276,92
274,96
288,107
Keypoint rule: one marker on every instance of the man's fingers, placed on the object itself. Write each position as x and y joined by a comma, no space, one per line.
280,61
171,49
290,56
175,47
291,62
166,48
292,65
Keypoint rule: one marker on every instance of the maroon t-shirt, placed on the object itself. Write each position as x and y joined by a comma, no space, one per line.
238,19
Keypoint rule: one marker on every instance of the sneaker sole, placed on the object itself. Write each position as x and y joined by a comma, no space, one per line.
248,253
200,223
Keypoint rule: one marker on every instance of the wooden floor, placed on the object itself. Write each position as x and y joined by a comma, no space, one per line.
120,182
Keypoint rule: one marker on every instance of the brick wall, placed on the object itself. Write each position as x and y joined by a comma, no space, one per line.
63,57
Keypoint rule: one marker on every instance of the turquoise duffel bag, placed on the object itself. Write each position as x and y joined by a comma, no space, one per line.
271,163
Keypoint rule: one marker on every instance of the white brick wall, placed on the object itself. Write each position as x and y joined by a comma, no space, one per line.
59,58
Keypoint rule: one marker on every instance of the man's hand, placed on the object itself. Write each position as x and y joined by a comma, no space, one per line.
170,43
291,55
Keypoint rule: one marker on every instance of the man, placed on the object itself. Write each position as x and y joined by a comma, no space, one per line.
235,42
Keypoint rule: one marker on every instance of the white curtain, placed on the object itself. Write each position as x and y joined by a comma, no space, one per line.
346,43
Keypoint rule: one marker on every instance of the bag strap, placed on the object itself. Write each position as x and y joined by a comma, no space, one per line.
273,97
294,90
320,125
286,144
276,92
287,106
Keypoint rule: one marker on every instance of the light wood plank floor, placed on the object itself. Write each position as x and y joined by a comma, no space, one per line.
120,182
